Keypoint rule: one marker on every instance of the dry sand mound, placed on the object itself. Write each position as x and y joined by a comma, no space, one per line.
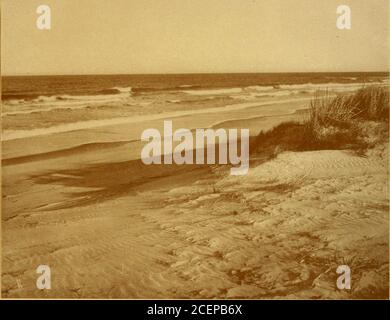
279,232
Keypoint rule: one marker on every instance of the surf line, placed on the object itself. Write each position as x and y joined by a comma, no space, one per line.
161,150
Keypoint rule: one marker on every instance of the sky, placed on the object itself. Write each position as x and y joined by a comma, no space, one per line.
193,36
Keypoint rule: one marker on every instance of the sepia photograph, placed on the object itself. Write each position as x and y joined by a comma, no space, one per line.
195,149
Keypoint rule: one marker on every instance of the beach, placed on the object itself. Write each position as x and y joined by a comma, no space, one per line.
77,197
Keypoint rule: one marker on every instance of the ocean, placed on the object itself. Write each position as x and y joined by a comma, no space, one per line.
32,87
33,104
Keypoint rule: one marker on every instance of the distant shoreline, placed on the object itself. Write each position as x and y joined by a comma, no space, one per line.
194,73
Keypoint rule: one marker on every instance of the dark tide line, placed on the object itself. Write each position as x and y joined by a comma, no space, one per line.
64,152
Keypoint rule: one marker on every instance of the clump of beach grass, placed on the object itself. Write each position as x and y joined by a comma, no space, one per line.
371,103
332,122
338,120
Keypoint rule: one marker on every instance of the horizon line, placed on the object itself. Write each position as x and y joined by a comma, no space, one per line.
183,73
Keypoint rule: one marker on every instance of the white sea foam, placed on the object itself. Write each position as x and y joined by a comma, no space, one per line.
89,124
328,86
260,88
187,86
254,92
50,103
126,90
213,91
292,89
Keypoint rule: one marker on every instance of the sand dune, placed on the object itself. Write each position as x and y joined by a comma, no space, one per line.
204,234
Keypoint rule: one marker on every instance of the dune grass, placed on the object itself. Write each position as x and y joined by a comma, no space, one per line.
332,122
